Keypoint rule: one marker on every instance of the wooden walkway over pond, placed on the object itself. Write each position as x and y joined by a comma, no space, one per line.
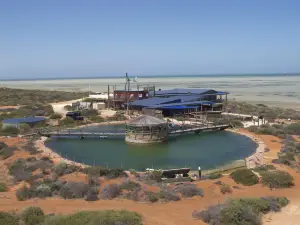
118,134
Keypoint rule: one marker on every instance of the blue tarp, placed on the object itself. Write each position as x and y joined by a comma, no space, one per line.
24,120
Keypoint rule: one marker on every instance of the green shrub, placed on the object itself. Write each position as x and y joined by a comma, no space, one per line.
151,196
7,152
236,213
110,191
55,116
8,219
3,187
59,169
215,176
189,190
23,193
277,179
33,216
225,188
130,185
10,131
264,168
108,217
67,121
245,177
245,211
168,195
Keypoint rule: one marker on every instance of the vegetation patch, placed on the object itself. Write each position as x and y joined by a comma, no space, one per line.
10,96
55,116
3,187
8,219
225,189
36,216
110,191
277,179
108,217
245,177
168,195
130,185
107,173
246,211
33,216
7,152
214,176
151,196
189,190
264,168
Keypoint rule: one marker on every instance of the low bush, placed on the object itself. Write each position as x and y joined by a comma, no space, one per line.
60,168
10,131
214,176
168,195
189,190
8,219
110,191
7,152
276,203
264,168
225,188
92,194
246,211
67,121
74,190
55,116
130,185
277,179
108,217
33,216
108,173
151,196
245,177
3,187
23,193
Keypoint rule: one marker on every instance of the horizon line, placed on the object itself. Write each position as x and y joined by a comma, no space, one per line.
152,76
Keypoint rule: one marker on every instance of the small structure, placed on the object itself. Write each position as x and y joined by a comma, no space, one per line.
16,122
146,129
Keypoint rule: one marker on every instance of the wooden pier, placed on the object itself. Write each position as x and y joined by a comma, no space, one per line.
118,134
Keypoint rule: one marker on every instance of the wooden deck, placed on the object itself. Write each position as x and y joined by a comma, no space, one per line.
85,134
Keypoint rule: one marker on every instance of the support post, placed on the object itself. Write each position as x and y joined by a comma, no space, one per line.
108,100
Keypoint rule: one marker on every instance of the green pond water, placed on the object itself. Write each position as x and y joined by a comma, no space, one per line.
209,150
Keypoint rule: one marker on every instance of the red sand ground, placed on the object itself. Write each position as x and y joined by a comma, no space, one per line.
172,213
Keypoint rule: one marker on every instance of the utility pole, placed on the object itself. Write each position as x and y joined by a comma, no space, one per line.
108,105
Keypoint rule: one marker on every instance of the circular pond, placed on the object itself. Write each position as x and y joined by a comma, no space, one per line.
209,150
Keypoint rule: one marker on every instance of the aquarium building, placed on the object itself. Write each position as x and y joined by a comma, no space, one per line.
179,100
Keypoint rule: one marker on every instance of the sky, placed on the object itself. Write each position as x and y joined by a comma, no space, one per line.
72,38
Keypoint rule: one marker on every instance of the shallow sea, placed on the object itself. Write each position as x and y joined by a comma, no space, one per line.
268,89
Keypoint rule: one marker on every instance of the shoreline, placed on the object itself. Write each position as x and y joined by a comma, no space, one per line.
255,159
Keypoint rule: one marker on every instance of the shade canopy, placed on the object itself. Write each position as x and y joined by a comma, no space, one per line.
146,120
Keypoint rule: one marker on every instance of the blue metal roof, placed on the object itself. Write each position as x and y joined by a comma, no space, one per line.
158,101
177,107
197,103
24,120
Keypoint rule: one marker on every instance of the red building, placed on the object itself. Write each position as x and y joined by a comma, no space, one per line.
121,97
